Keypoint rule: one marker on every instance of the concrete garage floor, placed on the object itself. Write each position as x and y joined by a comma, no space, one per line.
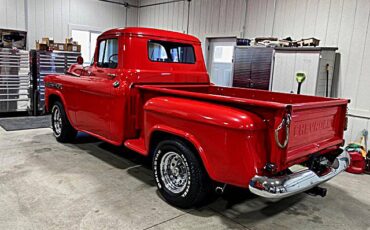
92,185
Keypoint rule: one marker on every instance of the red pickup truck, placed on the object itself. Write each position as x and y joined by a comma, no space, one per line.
149,90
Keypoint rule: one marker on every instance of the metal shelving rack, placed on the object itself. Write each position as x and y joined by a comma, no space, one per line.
14,80
43,64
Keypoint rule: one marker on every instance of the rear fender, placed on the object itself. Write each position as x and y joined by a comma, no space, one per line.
229,141
184,135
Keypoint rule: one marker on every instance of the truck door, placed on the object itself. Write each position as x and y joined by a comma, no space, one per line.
95,111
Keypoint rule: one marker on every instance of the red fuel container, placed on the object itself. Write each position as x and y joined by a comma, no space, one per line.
357,165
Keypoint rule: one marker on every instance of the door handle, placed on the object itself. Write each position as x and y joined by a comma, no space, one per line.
115,84
111,75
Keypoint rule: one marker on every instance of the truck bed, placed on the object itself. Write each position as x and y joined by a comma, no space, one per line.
245,96
316,126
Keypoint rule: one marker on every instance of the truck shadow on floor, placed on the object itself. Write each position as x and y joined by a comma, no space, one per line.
339,210
239,204
126,159
117,156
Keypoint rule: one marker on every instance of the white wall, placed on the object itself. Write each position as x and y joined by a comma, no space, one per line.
341,23
56,18
208,18
171,17
12,14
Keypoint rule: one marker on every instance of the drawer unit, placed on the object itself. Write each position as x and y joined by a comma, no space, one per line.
43,64
14,80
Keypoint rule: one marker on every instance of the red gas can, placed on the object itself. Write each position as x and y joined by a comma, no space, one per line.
357,164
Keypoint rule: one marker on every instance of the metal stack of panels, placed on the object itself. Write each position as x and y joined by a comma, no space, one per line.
14,80
242,69
252,67
43,64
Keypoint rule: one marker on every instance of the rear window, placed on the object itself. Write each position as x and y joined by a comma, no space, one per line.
160,51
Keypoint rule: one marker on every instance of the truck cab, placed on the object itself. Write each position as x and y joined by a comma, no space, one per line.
149,90
99,96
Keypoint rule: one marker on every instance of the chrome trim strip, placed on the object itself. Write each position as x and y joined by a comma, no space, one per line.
276,188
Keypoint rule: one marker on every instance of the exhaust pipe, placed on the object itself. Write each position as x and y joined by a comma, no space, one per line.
317,191
220,190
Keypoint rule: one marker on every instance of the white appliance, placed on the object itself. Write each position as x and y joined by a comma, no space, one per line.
313,61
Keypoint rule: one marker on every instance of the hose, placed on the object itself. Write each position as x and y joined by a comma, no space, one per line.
284,122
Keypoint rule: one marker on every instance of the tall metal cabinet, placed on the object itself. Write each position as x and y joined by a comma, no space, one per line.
313,61
14,80
252,67
43,64
275,69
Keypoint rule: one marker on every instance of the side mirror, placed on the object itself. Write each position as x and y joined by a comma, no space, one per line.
80,60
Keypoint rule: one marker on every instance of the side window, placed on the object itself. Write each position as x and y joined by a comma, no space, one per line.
108,53
161,51
101,53
157,52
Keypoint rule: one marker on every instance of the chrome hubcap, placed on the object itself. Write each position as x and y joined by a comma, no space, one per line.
174,172
57,121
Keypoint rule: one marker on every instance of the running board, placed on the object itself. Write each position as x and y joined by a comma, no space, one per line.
137,145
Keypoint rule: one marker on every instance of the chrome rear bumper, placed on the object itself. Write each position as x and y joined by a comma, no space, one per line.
281,187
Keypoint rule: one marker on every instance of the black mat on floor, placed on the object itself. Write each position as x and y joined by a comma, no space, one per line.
21,123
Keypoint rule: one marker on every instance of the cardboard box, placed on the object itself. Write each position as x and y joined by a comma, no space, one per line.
309,42
48,41
44,41
73,48
59,46
41,46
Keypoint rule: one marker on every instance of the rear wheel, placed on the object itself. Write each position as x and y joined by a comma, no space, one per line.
179,174
63,130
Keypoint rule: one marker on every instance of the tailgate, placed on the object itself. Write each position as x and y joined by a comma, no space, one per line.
315,127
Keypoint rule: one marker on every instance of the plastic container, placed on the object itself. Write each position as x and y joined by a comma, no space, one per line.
357,165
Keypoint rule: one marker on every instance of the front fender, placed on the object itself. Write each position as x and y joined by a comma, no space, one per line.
53,92
49,93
